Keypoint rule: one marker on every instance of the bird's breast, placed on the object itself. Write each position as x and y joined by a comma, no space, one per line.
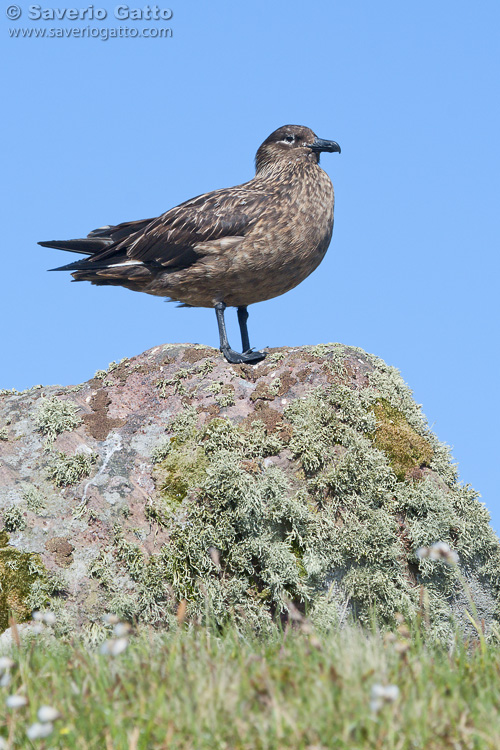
287,242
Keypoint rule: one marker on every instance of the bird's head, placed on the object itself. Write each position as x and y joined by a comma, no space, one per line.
292,143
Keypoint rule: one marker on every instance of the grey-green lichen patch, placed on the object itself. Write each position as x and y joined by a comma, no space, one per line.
65,470
25,584
175,383
334,527
226,396
101,374
4,434
161,451
269,539
135,584
13,518
206,367
55,416
129,553
15,392
215,387
266,391
321,350
323,420
115,365
275,357
216,461
223,393
34,498
317,491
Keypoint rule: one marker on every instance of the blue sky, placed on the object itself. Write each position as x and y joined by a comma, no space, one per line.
98,132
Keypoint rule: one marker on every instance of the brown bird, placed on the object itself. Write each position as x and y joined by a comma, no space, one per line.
234,246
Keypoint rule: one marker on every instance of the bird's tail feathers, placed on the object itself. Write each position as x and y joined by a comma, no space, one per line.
85,246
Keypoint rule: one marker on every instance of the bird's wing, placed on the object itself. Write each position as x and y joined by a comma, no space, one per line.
113,234
180,236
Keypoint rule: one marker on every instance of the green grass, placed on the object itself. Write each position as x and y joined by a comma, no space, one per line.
300,689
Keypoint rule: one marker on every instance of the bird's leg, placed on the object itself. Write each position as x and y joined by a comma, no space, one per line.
242,320
232,356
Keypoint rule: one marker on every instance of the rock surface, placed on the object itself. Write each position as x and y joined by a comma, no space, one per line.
311,478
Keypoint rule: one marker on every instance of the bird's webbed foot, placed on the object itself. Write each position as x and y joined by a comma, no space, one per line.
249,357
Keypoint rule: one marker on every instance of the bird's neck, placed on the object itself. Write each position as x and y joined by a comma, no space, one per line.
287,170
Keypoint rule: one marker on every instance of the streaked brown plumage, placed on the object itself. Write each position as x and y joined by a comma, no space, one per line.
234,246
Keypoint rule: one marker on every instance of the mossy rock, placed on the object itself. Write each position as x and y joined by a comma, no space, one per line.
404,447
311,478
22,579
330,517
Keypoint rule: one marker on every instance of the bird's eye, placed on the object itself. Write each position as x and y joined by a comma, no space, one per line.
289,138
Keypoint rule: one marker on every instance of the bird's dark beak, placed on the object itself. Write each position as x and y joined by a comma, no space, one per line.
319,145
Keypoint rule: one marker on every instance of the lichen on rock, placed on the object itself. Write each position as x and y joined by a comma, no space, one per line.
55,416
64,470
357,519
13,519
312,478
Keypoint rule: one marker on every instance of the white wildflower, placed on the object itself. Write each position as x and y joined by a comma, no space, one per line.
16,701
121,629
6,663
382,694
41,620
5,679
388,693
118,646
438,551
38,731
110,619
49,618
47,714
114,646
